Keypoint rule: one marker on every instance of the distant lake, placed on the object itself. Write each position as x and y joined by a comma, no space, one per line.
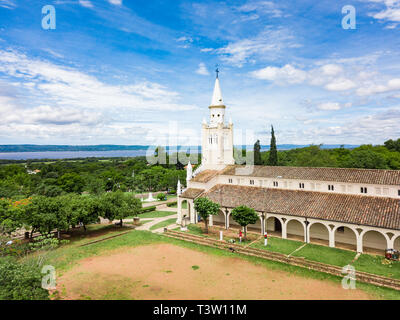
71,154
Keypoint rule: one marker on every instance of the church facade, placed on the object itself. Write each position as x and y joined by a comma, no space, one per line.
356,209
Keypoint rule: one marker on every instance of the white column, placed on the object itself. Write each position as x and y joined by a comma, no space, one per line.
227,219
359,239
179,220
191,212
262,222
331,237
284,232
210,220
389,242
307,236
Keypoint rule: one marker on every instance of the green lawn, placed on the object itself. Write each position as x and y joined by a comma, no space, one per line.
184,205
278,245
373,264
163,224
333,256
68,255
156,214
193,229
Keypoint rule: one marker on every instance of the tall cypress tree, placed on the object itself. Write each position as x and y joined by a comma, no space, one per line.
273,152
257,153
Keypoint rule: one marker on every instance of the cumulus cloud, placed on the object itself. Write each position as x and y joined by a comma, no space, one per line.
202,69
390,13
286,74
332,106
60,99
380,126
332,77
326,75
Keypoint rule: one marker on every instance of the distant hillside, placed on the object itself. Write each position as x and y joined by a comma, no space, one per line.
110,147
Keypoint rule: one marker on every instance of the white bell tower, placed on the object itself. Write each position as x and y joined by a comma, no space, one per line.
216,136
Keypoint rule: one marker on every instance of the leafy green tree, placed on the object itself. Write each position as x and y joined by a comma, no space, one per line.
257,153
205,207
273,152
244,216
96,186
71,182
45,214
118,205
10,216
82,210
366,158
393,145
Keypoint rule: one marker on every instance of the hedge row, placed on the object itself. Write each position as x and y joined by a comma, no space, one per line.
147,209
171,204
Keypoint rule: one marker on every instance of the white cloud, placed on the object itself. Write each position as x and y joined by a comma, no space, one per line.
287,74
8,4
329,106
391,85
331,69
390,13
115,2
325,75
86,3
202,69
64,102
268,44
340,84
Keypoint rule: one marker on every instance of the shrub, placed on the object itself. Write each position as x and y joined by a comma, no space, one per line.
161,197
171,204
20,281
148,209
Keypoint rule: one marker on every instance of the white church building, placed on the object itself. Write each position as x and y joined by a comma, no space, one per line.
357,209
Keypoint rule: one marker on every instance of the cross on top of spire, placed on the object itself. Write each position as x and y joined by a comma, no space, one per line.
216,70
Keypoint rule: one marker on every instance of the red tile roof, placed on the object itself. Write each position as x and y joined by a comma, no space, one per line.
205,176
366,176
354,209
191,193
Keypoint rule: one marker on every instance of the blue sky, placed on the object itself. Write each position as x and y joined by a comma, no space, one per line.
142,72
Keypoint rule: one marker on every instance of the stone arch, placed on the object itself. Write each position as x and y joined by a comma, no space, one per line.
345,237
318,232
396,243
374,241
295,229
220,219
274,225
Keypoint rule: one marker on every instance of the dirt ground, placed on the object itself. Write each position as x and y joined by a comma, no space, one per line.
165,271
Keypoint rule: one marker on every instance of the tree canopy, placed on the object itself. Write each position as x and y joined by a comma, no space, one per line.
244,216
205,207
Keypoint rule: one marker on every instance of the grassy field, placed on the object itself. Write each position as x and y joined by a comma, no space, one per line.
278,245
184,205
155,214
334,256
163,224
68,255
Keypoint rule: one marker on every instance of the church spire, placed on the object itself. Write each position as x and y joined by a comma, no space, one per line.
217,95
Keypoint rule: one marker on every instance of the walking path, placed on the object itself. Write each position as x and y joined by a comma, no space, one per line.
299,248
148,225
